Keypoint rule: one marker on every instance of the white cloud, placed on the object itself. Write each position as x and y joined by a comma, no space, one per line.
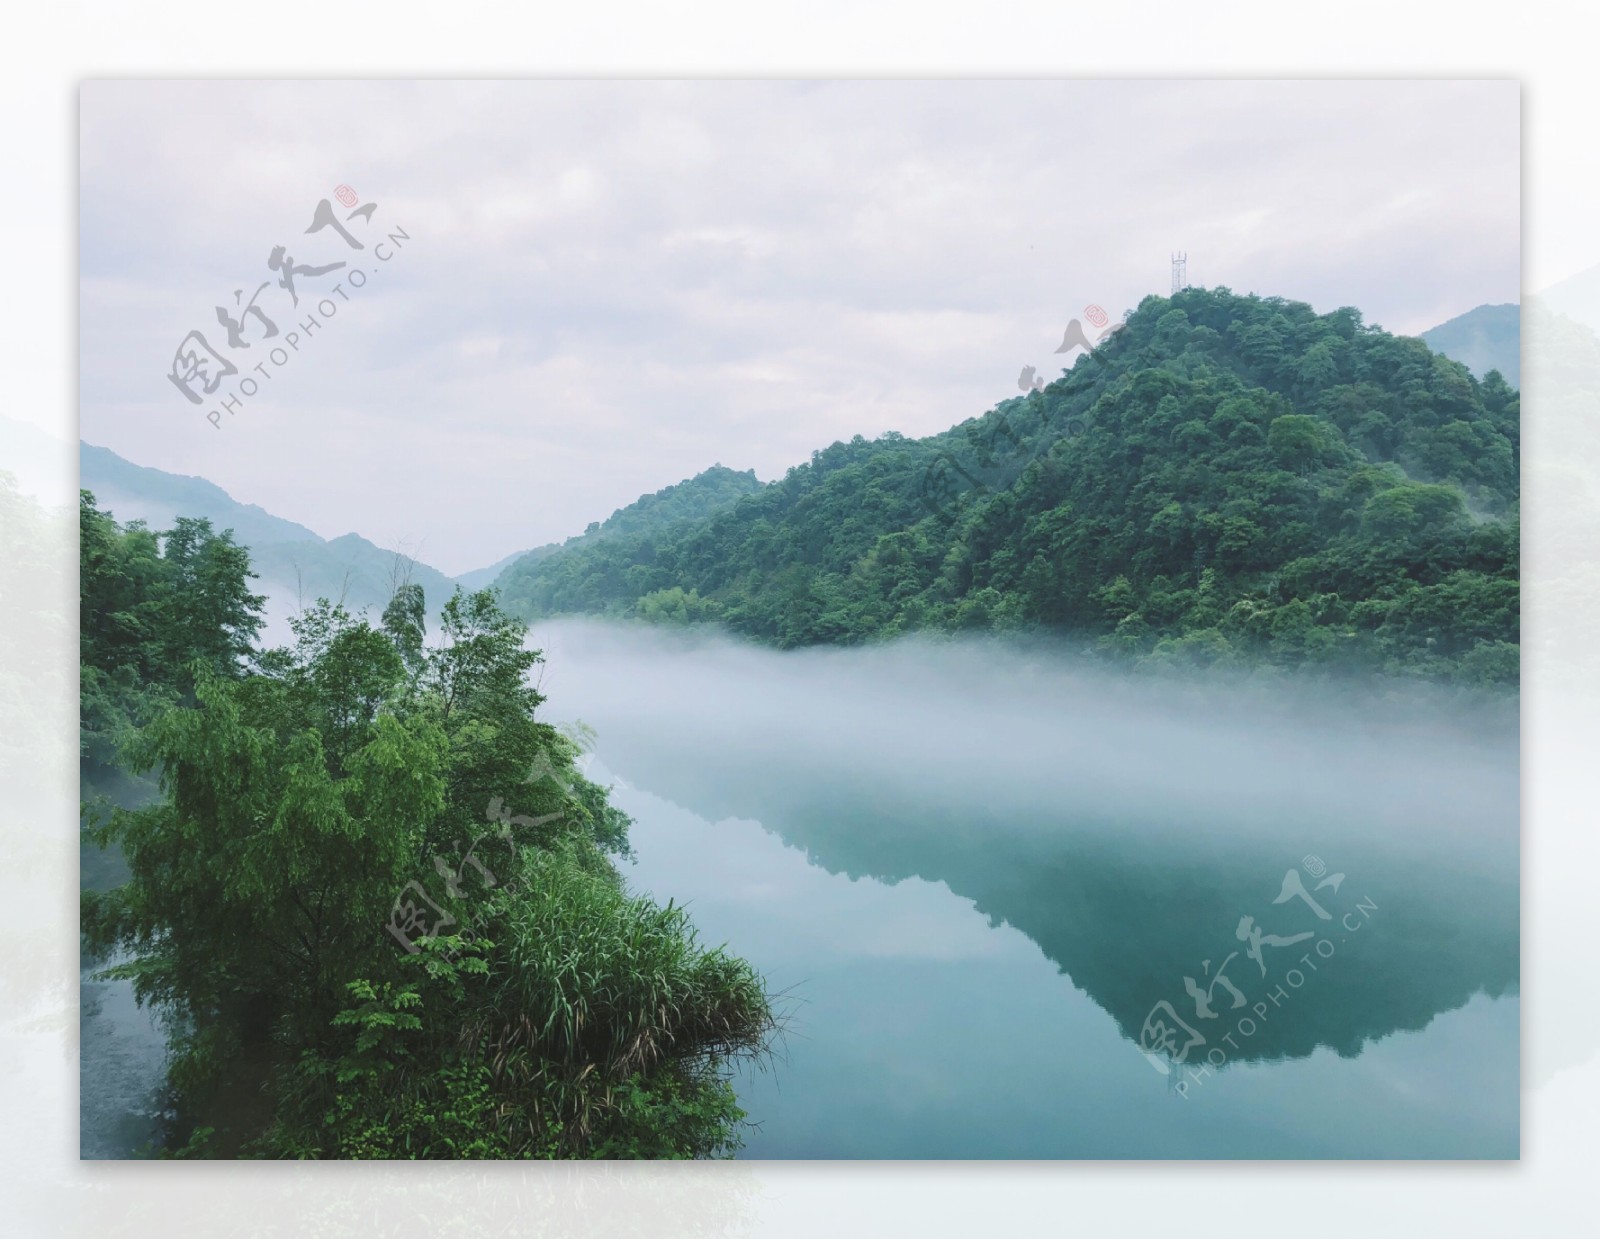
610,285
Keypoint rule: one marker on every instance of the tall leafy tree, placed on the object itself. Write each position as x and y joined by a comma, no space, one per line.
379,888
156,609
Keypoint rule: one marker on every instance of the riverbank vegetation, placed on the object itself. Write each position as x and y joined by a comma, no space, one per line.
377,900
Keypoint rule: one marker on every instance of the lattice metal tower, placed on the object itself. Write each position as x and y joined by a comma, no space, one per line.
1180,271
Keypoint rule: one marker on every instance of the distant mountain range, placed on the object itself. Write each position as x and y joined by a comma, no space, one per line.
1486,338
478,578
289,558
297,563
1483,339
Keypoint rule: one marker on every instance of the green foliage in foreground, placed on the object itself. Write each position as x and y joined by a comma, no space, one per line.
1228,481
310,801
153,608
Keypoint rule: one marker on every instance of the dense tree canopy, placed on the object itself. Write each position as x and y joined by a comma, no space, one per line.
659,514
1229,479
155,610
376,896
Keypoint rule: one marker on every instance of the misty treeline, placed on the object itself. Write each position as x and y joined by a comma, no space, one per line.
1228,481
376,900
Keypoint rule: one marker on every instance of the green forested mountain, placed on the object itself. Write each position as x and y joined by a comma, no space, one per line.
693,499
709,491
1483,339
1227,480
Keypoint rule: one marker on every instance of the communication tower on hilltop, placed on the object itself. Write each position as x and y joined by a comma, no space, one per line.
1180,271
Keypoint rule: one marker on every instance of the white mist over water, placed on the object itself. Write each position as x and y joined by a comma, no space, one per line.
988,724
971,867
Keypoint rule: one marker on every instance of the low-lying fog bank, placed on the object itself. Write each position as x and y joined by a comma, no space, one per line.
984,722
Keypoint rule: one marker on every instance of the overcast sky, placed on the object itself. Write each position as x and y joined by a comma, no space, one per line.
609,286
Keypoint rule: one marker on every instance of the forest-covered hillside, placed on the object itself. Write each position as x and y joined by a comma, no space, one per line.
666,511
1229,479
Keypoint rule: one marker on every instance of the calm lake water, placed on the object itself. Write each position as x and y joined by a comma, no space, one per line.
976,874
